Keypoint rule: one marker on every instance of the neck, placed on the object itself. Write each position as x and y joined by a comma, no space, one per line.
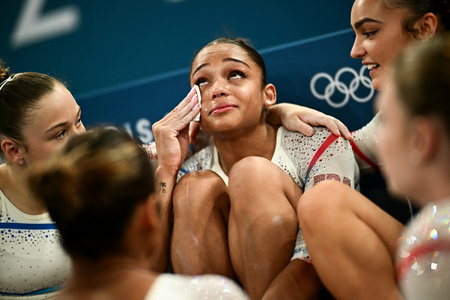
13,185
259,142
114,277
432,186
106,266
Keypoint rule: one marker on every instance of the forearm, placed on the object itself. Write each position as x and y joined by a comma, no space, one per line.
165,183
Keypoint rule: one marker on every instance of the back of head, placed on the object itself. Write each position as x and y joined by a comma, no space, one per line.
422,77
19,94
92,187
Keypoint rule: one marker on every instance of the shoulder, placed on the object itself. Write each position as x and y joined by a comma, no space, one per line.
368,133
170,286
287,137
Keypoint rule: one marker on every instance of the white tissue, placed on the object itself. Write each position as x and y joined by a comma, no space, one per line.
199,96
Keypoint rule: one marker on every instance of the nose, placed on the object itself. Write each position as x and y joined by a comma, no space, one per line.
358,50
219,89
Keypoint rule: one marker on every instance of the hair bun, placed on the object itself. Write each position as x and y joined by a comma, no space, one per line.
443,10
4,72
57,186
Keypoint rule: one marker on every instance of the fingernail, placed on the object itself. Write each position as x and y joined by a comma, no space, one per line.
195,106
194,97
191,91
310,132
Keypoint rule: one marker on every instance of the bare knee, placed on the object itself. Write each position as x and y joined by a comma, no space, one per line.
321,202
250,169
195,189
258,193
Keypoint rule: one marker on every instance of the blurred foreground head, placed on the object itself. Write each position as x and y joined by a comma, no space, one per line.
92,187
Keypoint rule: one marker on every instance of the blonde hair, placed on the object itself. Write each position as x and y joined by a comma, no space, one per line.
422,79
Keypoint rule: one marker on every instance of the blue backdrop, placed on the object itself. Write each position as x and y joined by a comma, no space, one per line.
127,62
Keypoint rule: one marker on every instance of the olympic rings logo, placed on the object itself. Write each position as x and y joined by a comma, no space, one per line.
335,83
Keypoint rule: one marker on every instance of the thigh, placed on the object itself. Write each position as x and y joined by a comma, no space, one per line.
199,242
332,203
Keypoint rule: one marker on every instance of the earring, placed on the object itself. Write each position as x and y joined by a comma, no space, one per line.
415,158
427,39
21,162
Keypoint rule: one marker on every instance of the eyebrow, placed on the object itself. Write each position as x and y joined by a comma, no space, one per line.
62,123
365,20
224,60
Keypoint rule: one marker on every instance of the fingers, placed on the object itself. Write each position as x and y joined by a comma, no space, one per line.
180,117
304,125
336,127
301,127
344,130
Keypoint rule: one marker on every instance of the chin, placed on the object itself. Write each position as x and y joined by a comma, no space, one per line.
393,188
377,85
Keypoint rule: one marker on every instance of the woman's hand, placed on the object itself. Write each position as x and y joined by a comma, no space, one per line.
300,118
172,133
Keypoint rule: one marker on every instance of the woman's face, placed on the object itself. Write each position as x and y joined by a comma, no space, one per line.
379,36
56,119
395,143
230,84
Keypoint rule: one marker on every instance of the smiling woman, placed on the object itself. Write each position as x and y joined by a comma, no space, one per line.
37,115
363,261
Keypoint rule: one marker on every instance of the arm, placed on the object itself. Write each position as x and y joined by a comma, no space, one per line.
172,140
365,142
299,118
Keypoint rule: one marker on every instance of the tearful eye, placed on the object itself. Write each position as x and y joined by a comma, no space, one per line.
201,81
237,75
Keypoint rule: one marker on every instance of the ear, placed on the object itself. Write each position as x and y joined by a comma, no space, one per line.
270,95
151,218
425,138
426,26
12,151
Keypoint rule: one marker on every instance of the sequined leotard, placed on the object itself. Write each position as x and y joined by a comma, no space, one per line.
294,153
423,254
169,286
365,145
33,264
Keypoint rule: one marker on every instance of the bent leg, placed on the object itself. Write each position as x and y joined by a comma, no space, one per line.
263,224
298,281
351,241
200,240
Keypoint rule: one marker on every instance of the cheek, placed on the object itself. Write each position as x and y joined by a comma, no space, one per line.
43,151
396,46
393,154
383,145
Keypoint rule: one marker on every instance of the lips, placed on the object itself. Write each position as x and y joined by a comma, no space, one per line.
221,108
